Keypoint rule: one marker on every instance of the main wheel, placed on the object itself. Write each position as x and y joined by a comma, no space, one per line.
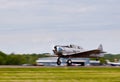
69,62
58,61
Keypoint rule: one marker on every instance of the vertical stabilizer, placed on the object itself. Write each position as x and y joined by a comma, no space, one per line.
101,50
100,47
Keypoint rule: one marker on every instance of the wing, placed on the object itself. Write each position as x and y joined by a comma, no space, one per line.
90,54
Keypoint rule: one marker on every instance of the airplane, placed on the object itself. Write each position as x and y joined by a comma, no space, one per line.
73,51
113,63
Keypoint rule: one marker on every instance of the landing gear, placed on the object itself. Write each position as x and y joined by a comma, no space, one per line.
58,61
69,62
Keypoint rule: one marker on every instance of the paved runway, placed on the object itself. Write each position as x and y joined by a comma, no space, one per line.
15,66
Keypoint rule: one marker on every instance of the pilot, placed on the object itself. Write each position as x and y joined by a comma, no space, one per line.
70,46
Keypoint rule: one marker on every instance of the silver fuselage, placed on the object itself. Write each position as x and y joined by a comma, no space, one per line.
68,50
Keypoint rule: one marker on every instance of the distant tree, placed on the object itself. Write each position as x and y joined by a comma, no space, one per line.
111,57
2,58
15,60
102,60
2,54
18,59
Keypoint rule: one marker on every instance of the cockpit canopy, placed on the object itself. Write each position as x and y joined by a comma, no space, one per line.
74,46
69,46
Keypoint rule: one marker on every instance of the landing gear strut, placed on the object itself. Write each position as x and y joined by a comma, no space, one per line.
58,61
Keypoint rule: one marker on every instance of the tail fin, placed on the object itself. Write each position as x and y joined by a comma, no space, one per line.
100,47
101,50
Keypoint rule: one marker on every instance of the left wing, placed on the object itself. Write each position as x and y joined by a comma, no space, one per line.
90,54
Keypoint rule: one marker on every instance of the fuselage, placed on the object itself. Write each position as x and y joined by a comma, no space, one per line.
77,51
67,50
73,51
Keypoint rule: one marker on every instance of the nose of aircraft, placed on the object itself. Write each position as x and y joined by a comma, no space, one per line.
59,49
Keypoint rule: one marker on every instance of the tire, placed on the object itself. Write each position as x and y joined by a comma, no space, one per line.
69,62
58,62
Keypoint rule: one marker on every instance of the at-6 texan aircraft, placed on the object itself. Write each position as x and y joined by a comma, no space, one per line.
73,51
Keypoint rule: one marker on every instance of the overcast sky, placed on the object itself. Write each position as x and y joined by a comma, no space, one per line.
35,26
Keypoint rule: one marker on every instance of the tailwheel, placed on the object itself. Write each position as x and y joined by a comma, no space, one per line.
58,61
69,62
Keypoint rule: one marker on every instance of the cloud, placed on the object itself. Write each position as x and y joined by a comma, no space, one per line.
36,25
12,4
39,12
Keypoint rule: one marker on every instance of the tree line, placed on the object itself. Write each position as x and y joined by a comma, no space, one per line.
110,57
19,59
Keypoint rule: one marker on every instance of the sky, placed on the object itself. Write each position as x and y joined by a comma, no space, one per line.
35,26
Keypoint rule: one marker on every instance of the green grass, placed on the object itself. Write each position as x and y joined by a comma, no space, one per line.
60,74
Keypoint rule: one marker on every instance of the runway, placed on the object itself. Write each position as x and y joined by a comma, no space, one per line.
16,66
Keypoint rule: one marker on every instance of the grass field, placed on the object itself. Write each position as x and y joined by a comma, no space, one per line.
59,74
